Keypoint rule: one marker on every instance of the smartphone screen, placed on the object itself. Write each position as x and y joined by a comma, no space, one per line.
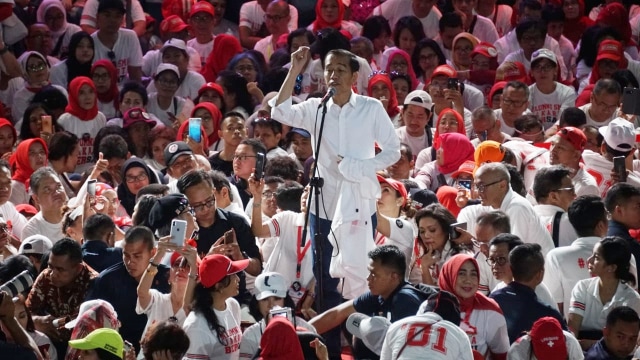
228,237
453,233
91,187
620,167
465,184
194,129
260,162
47,125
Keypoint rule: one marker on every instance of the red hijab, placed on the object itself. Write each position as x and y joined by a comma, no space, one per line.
5,122
456,149
447,197
500,85
112,94
608,50
184,130
320,23
461,128
574,28
616,15
280,341
19,161
225,47
216,116
447,281
407,58
392,104
74,107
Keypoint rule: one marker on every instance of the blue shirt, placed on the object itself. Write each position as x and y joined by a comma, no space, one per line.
116,286
521,308
98,255
403,302
599,351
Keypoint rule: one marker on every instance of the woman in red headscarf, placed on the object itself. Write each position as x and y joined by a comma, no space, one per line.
455,149
609,59
8,136
616,16
575,22
330,14
201,148
399,61
83,119
381,88
211,118
480,317
225,47
449,121
280,341
30,155
105,78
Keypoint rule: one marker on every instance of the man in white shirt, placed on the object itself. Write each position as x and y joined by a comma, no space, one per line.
252,21
134,20
513,104
120,46
350,185
424,10
479,26
567,265
175,52
276,19
415,115
566,150
49,193
604,102
554,192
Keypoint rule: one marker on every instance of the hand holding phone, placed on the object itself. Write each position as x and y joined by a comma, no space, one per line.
453,233
620,168
194,129
229,237
259,169
453,84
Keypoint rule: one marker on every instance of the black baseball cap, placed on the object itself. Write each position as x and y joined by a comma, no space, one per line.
174,150
105,5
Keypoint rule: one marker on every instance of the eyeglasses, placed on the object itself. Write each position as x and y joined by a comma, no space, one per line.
482,187
134,179
243,157
167,83
51,190
39,153
100,77
297,89
208,203
543,68
274,18
201,19
570,189
500,260
187,161
37,68
428,57
509,102
463,49
604,104
268,195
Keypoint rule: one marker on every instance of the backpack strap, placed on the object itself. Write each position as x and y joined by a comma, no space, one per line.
555,230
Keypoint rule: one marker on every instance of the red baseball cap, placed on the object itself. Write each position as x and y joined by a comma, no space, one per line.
214,268
211,86
397,186
444,70
610,49
202,6
467,167
511,71
547,339
485,49
574,136
136,115
172,24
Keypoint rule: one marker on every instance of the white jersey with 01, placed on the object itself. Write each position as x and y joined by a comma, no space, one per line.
426,336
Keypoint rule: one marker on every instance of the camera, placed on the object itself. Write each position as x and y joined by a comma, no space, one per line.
18,284
285,312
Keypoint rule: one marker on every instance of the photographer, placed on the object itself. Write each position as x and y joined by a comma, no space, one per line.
24,347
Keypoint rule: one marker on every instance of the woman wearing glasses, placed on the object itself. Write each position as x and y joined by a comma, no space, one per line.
400,62
170,109
426,57
105,77
135,175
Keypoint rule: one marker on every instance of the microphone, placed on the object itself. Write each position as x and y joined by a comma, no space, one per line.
330,92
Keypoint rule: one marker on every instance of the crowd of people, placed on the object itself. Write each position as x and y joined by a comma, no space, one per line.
271,179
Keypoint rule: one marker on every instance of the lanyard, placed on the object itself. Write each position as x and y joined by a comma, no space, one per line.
300,252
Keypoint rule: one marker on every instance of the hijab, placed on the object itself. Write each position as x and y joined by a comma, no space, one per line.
392,104
216,117
5,122
456,149
607,50
41,13
474,42
280,341
99,316
447,281
23,60
74,67
574,28
617,16
19,160
225,47
127,199
184,130
320,23
74,106
447,197
407,58
112,95
461,128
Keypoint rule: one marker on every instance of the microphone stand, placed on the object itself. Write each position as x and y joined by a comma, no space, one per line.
316,184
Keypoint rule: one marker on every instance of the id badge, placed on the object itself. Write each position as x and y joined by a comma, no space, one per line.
296,292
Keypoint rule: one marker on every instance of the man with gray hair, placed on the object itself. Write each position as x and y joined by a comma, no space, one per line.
486,126
492,182
48,192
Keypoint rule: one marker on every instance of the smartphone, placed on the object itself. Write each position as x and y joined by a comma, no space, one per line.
127,346
453,233
630,103
228,237
282,312
178,232
91,187
465,184
452,84
47,124
194,129
620,168
260,162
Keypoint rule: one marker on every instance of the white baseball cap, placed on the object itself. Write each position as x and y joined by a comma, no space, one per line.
620,134
270,284
370,329
419,98
170,67
86,306
543,54
35,244
174,43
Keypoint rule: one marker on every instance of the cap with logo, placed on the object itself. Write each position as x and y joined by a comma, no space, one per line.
167,67
370,329
444,70
174,43
511,71
202,6
543,54
35,244
419,98
173,150
105,339
466,167
270,284
166,209
611,50
485,49
620,134
136,115
488,151
547,339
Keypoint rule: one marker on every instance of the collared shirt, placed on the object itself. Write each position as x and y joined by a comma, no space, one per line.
521,308
403,302
566,232
350,134
619,229
599,351
98,255
120,289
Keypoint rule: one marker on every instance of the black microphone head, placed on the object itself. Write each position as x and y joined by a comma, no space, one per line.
331,91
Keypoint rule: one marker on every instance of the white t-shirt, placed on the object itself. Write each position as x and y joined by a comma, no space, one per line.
203,50
590,121
504,127
501,18
416,144
180,107
204,343
541,291
521,348
427,336
549,106
349,26
90,13
226,27
159,309
18,222
585,301
44,344
253,334
37,225
15,84
252,16
402,235
490,333
189,86
265,47
107,109
86,132
126,49
393,10
153,58
58,74
529,159
566,233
